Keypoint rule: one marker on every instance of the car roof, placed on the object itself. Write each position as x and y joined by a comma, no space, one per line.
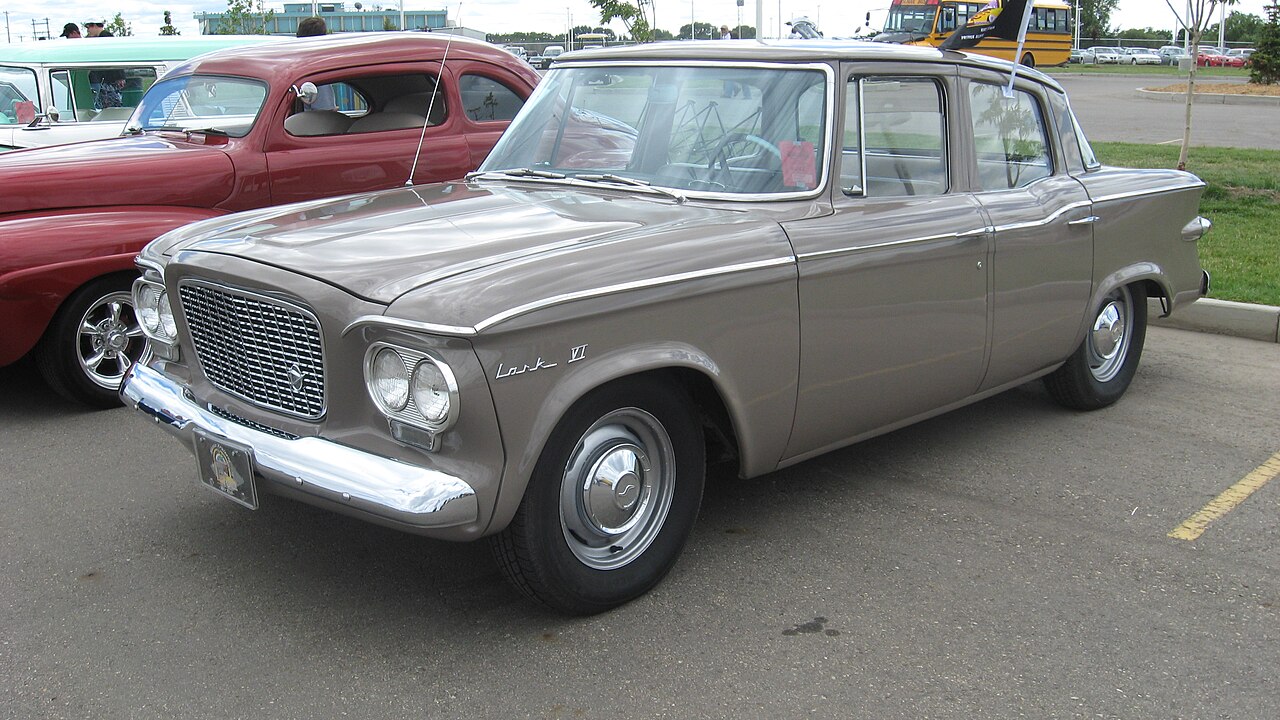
124,49
795,51
341,50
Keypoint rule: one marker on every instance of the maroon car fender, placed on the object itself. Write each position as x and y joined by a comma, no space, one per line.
45,258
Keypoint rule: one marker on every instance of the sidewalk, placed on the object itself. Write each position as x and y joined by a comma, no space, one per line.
1257,322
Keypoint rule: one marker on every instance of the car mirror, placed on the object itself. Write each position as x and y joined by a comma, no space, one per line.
307,92
52,113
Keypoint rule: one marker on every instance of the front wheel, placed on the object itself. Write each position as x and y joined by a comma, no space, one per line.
92,342
1100,370
611,502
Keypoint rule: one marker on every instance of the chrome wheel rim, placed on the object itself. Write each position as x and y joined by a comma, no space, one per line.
617,488
109,340
1110,336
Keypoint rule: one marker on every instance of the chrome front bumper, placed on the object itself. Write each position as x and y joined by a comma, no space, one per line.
313,469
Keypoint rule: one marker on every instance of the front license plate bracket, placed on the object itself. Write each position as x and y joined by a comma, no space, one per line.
226,468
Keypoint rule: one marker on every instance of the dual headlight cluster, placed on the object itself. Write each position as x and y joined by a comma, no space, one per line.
155,315
411,386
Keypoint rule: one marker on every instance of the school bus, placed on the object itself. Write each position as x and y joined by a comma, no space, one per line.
929,22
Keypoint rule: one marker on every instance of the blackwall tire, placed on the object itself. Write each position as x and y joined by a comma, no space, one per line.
611,502
1101,369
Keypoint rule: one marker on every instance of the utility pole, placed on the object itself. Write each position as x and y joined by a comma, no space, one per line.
7,38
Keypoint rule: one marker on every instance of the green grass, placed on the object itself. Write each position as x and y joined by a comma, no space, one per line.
1242,251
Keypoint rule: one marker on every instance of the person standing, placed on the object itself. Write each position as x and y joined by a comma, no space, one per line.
724,33
324,100
97,28
70,30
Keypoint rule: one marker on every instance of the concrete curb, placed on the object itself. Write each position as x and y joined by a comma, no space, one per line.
1223,317
1209,98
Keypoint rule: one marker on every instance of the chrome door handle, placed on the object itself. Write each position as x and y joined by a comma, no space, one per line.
1083,221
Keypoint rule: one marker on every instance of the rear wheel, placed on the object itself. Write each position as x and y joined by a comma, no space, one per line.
1029,60
1100,370
92,342
611,502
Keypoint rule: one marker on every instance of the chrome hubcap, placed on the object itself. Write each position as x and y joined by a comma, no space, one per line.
1109,338
617,489
109,340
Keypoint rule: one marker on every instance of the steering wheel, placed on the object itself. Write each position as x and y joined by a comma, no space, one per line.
721,153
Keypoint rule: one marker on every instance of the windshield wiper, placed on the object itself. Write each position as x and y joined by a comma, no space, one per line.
632,182
189,131
518,172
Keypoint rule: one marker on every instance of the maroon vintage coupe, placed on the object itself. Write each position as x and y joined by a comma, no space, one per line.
233,130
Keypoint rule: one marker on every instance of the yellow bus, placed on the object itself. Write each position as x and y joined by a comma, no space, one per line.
929,22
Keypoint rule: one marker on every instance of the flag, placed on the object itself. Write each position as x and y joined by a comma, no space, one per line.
1003,20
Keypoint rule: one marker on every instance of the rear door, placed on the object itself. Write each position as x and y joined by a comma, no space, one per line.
1042,267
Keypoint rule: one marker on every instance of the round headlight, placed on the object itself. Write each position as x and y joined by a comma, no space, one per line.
431,392
147,310
389,380
164,311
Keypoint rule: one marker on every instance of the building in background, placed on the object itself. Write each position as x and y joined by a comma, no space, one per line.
361,17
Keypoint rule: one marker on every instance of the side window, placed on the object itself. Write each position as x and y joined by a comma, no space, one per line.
63,98
117,90
902,126
1072,155
1009,136
487,100
341,97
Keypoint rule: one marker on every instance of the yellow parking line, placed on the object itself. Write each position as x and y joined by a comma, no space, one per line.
1193,526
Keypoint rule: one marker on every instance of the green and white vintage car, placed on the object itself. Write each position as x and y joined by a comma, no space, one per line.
743,252
64,91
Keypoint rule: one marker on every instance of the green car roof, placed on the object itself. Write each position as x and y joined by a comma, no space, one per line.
124,49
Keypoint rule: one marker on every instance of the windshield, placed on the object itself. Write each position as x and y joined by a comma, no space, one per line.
915,20
718,128
201,102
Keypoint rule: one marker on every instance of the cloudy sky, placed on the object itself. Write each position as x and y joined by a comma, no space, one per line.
834,17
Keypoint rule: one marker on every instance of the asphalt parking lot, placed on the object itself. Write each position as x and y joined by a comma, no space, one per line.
1009,559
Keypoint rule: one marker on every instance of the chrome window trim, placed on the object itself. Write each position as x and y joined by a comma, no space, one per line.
819,188
221,287
411,325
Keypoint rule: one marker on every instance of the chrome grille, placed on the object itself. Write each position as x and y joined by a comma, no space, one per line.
257,348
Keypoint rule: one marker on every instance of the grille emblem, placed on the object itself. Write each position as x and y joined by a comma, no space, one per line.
296,376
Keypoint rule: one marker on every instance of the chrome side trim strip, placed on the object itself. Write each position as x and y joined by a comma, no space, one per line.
1044,221
627,287
464,331
411,325
964,234
321,470
1152,191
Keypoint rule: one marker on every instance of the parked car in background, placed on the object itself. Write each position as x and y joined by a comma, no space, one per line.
548,55
224,132
1139,56
645,276
70,91
1171,54
518,51
1078,56
1104,55
1244,53
1215,57
1230,59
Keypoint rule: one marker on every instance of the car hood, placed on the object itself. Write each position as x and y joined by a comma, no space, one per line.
140,170
380,246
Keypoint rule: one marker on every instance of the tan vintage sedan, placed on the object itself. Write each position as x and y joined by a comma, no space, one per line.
677,254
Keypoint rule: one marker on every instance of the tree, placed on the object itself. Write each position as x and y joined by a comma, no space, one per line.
1199,13
632,15
245,17
389,25
1265,60
1241,27
744,32
701,31
1095,17
167,28
118,26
